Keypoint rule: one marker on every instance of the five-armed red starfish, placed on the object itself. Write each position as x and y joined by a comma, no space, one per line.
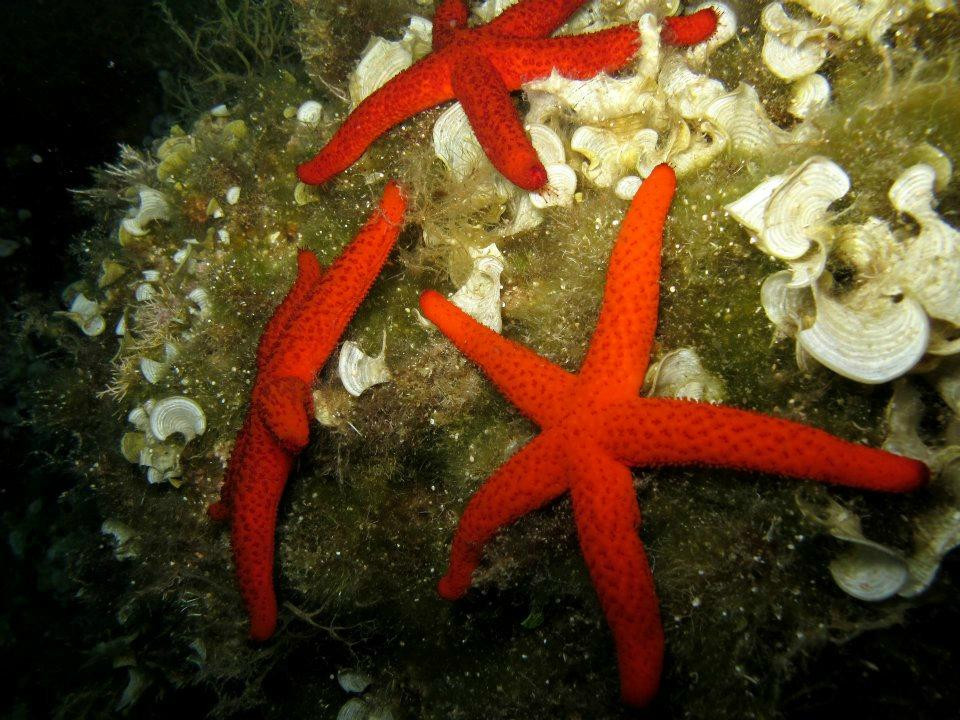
479,67
295,344
594,427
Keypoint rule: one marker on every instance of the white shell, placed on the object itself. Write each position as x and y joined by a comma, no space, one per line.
690,92
868,338
144,291
359,371
220,111
310,113
304,194
740,114
177,414
233,195
680,374
153,208
869,571
140,417
201,298
627,187
809,95
604,163
151,275
354,681
479,296
868,20
383,59
353,709
86,314
547,143
523,215
792,48
782,302
152,370
597,99
931,264
455,144
560,188
121,327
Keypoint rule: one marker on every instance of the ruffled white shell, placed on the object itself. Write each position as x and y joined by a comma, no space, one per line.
598,98
455,144
792,48
740,114
85,313
383,59
809,95
869,571
560,188
479,296
153,208
177,414
869,338
359,371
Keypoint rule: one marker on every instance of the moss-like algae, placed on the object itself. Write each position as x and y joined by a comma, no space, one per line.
366,520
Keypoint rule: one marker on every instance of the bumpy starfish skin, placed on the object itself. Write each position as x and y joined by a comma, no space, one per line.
480,67
295,344
594,426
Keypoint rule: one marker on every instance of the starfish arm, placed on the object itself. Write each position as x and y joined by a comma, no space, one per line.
537,387
256,495
419,87
690,29
449,16
662,431
487,104
314,331
620,348
532,18
308,275
529,479
608,519
576,56
284,404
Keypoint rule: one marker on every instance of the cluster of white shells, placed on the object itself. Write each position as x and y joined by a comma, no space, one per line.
153,445
872,571
364,705
903,303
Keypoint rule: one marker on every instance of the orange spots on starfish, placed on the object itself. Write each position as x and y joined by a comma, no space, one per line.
594,426
295,344
480,67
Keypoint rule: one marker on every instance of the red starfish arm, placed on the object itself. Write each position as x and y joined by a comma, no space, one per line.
537,387
689,29
450,15
487,104
529,479
284,404
662,431
260,475
314,331
308,275
531,18
419,87
608,519
620,348
577,56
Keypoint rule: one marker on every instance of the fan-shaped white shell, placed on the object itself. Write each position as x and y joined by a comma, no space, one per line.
153,208
86,314
800,205
152,370
455,144
782,303
789,62
359,371
381,60
233,195
741,115
547,143
479,296
599,98
201,298
177,414
690,92
809,95
876,342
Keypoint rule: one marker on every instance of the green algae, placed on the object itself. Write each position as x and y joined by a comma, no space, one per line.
366,521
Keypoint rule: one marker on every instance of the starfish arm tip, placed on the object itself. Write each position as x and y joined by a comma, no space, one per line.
684,30
450,588
218,511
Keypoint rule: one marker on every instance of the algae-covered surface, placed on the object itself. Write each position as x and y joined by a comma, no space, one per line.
755,625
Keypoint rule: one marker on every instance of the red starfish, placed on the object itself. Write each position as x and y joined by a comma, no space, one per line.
295,344
480,67
594,427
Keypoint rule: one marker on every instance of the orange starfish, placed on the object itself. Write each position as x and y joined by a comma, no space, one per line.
295,344
480,67
594,427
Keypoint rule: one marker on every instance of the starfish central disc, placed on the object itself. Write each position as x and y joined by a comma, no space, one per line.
595,427
480,67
